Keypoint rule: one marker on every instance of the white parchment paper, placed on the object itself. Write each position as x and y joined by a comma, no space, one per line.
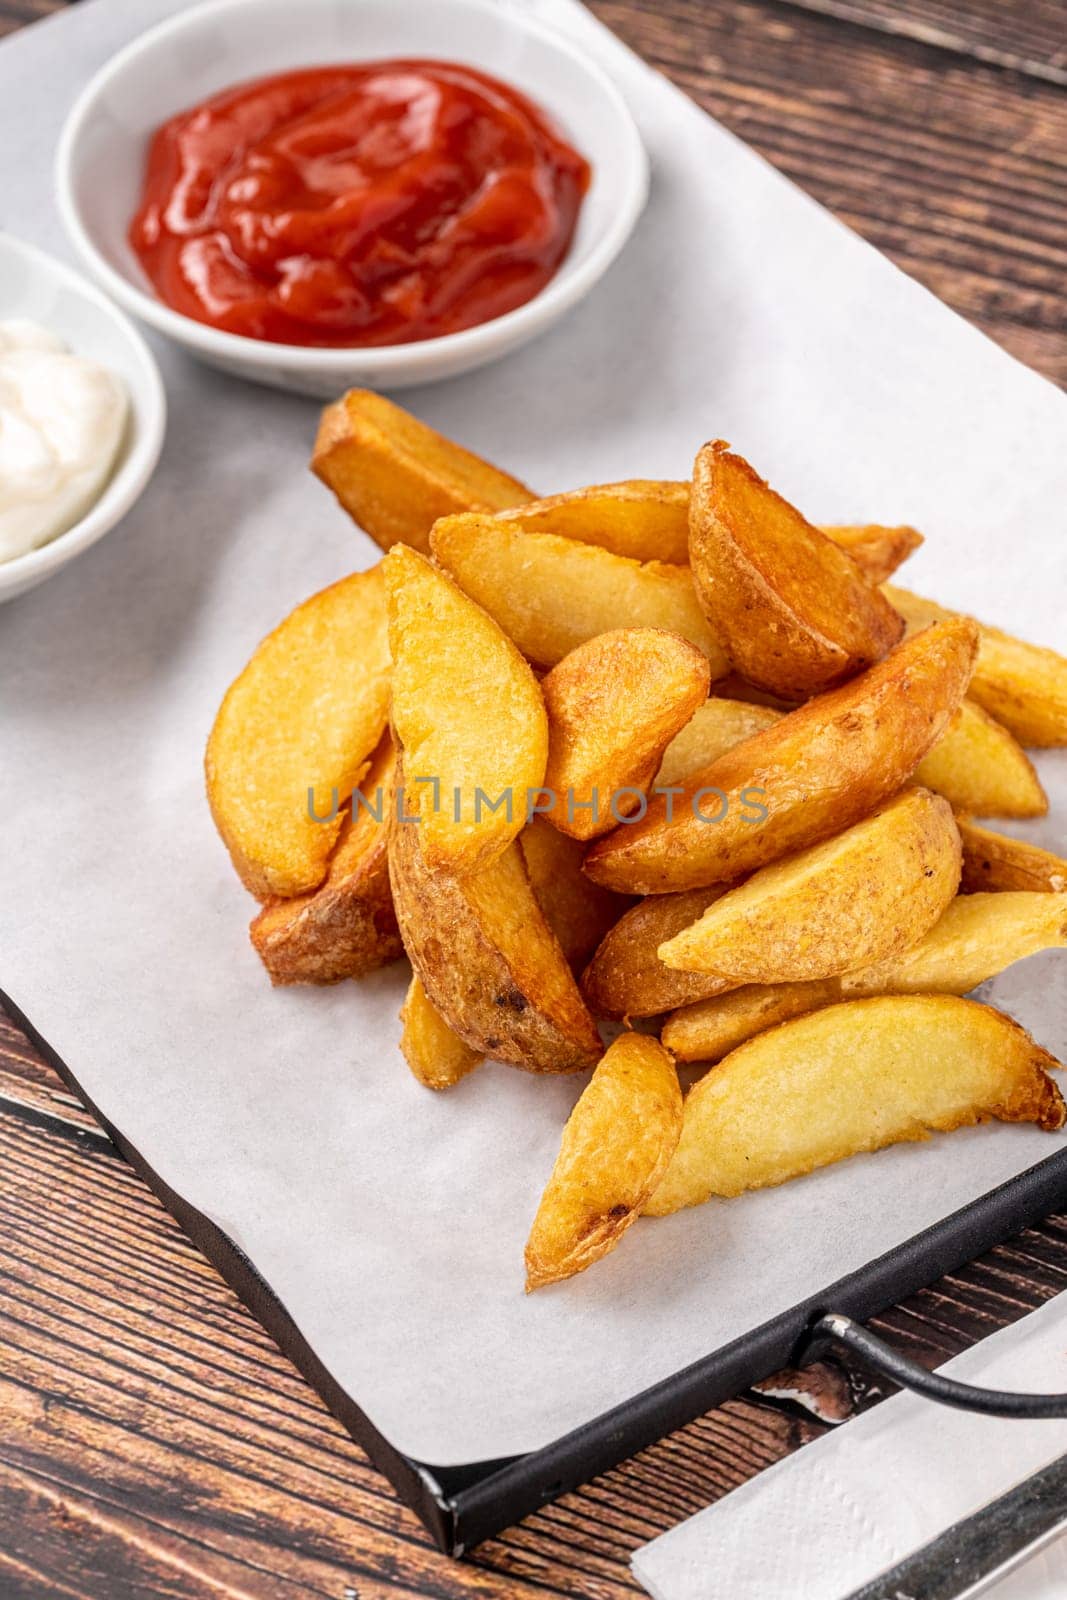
389,1221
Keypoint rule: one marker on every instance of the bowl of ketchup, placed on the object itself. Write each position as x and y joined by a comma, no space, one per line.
350,192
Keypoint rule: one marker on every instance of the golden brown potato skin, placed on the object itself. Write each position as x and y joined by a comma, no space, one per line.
642,519
713,729
347,926
578,911
978,936
395,476
488,960
876,549
550,594
996,862
866,895
792,608
614,704
307,711
1024,686
853,1077
647,519
711,1028
468,712
980,767
976,764
438,1058
821,768
626,978
616,1147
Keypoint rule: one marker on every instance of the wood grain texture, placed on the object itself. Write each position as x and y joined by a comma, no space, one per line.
956,169
153,1441
1028,36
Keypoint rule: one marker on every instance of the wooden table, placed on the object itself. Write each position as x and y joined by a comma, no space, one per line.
153,1441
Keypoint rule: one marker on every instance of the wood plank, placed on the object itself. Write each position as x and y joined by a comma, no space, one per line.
16,13
136,1392
26,1079
1028,36
957,171
140,1397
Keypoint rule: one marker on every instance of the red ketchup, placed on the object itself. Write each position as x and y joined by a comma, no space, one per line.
357,205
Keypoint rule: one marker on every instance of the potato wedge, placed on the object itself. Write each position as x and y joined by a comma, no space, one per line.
395,476
851,1078
645,519
815,772
616,1147
614,704
577,910
995,861
642,519
626,978
865,895
437,1056
1023,685
976,764
981,768
713,729
877,550
551,594
296,728
347,926
978,936
793,610
468,712
711,1028
489,962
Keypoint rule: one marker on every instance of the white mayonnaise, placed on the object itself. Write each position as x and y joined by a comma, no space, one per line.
61,422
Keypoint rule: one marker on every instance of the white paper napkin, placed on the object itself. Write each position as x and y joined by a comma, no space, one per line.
842,1510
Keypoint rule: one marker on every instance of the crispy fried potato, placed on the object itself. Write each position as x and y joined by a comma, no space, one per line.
642,519
577,910
793,610
711,1028
995,861
1023,685
488,960
468,712
614,704
347,926
395,476
626,978
551,594
616,1147
300,723
979,767
877,550
978,936
866,895
816,772
976,764
647,519
713,729
853,1077
437,1056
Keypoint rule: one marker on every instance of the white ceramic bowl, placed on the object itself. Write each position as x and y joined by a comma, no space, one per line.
36,286
99,163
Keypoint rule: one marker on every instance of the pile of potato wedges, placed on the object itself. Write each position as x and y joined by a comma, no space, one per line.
661,755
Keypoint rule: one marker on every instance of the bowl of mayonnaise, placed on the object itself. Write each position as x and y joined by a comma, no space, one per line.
82,415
